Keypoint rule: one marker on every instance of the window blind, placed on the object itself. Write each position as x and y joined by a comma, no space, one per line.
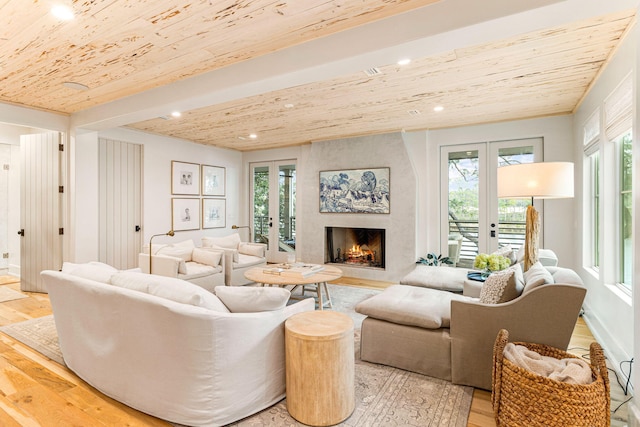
592,128
618,108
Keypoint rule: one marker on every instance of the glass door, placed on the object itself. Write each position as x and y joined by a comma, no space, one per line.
274,208
473,219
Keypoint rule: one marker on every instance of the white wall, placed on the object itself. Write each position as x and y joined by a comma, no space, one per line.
158,152
558,219
608,312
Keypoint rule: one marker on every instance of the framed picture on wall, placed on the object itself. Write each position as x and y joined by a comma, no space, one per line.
214,213
185,178
185,214
213,180
355,191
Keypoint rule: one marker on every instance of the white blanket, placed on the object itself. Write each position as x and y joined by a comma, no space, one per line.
570,370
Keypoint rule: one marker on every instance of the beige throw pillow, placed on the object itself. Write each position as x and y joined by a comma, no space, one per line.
249,249
537,275
207,257
507,252
240,299
228,242
502,286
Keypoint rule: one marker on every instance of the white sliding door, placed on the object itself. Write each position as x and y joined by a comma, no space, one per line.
120,209
40,208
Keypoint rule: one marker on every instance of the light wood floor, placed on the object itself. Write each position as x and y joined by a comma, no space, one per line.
35,391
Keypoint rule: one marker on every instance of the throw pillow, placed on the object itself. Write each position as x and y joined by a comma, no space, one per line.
507,252
207,257
502,286
249,249
536,276
175,251
228,242
240,299
169,288
94,270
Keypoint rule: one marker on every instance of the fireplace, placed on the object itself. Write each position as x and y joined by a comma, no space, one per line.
356,247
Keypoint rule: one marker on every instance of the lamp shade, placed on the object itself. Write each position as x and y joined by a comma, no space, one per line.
545,180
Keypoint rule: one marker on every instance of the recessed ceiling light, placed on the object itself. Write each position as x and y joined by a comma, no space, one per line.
438,108
289,105
404,61
62,12
176,114
253,136
414,112
75,86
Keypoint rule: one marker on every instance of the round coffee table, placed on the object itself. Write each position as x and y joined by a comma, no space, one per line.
320,367
319,279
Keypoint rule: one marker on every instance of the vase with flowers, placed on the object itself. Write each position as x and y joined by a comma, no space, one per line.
488,263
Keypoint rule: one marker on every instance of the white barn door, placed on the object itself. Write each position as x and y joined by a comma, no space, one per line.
40,208
120,169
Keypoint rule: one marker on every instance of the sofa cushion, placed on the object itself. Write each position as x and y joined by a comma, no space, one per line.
410,305
502,286
196,270
537,275
203,256
228,242
564,275
436,277
240,299
94,270
247,261
169,288
251,249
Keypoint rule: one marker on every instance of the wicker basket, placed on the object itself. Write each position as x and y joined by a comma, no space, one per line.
522,398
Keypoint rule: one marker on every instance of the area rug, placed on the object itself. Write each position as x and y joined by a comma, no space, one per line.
385,396
8,294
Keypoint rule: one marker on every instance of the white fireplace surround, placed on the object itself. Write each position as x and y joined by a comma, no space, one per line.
375,151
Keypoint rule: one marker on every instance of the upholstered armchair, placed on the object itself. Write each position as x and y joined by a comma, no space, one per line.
239,256
204,267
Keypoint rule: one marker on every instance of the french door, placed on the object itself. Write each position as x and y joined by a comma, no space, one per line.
473,219
273,212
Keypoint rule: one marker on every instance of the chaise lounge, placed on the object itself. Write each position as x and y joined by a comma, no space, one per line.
451,336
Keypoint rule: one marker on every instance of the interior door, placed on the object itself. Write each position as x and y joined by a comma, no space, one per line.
273,189
120,208
473,219
40,208
5,162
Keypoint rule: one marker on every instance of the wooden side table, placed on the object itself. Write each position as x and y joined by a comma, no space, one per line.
320,367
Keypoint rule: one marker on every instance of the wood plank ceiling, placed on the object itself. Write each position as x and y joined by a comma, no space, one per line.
123,47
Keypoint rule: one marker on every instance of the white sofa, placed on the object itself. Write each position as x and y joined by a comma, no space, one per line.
169,348
204,267
239,256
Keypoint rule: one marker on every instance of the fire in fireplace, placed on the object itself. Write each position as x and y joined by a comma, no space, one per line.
360,247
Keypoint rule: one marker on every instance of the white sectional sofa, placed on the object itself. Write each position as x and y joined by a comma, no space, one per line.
169,348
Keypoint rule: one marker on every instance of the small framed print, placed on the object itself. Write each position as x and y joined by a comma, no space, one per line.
214,213
185,178
185,214
213,180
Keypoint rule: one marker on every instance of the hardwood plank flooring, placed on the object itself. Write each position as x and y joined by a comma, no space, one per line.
35,391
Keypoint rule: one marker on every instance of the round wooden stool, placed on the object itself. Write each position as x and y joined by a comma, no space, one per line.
320,367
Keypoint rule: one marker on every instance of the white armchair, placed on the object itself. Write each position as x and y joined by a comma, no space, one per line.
204,267
239,256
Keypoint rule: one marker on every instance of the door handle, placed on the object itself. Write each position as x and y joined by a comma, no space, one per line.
21,232
493,233
137,228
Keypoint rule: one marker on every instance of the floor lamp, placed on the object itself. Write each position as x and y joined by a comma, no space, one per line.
545,180
235,227
168,233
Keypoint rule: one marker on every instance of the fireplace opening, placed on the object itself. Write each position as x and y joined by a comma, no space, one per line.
359,247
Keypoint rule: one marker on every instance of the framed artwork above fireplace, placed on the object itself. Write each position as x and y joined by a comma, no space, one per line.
355,191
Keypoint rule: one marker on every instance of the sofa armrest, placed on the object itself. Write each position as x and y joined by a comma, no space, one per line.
545,315
163,265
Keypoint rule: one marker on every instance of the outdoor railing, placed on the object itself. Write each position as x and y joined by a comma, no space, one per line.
510,232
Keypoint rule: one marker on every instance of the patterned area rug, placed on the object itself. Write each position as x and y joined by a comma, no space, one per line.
385,396
8,294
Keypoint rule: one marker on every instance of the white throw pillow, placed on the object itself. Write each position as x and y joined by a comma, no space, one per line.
502,286
507,252
169,288
536,276
207,257
249,249
240,299
176,251
94,270
228,242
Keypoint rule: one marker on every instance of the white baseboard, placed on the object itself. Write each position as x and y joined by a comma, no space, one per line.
14,270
